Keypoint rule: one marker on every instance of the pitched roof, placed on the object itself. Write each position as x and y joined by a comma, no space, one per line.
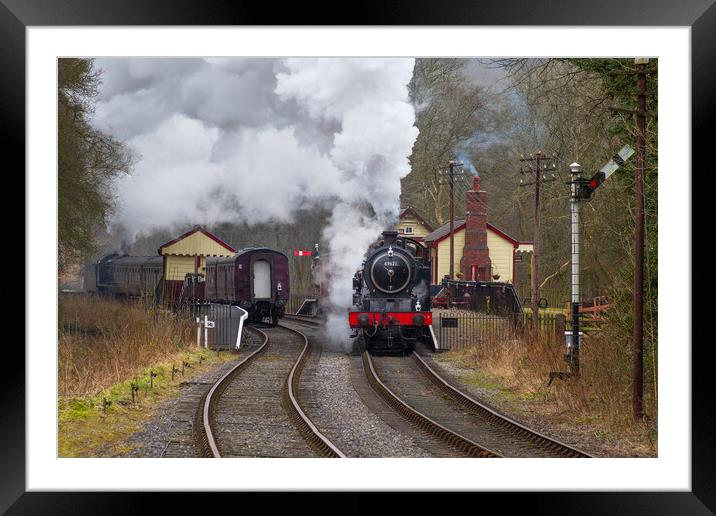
200,230
504,235
444,231
409,210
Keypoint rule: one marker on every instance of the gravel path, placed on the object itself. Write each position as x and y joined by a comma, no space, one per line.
339,401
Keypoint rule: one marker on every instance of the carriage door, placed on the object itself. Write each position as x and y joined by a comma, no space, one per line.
262,280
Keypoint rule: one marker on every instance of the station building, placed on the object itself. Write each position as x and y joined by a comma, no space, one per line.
187,254
412,224
482,252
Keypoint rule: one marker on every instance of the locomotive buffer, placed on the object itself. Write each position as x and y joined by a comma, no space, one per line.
582,190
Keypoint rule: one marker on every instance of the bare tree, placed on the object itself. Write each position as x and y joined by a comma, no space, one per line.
448,109
88,161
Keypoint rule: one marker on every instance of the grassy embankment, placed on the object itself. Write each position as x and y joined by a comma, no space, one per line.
598,405
106,346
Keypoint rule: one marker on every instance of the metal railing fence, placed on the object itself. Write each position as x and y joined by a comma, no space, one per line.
217,326
295,300
457,330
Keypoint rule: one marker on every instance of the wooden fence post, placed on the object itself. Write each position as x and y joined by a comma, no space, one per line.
560,325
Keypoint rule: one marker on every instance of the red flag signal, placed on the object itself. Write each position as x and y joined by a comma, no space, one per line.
302,253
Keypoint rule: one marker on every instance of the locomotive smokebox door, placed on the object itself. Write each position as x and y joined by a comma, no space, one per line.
390,272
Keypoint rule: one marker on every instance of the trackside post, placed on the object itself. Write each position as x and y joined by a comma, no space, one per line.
244,315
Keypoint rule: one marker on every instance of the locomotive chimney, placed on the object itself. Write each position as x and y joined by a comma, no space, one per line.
475,263
125,248
389,237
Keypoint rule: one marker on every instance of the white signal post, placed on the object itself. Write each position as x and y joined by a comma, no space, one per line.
207,324
573,342
582,190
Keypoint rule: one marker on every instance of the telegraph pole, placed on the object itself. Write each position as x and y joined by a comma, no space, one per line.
453,172
540,164
638,293
452,219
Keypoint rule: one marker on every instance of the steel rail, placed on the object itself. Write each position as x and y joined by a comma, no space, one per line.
204,438
462,443
496,418
308,319
319,442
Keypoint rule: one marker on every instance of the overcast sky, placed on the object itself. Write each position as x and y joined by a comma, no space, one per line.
200,128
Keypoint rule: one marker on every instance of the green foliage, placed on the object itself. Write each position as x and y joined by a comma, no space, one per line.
88,160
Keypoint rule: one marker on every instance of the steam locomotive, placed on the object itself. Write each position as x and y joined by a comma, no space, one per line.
391,302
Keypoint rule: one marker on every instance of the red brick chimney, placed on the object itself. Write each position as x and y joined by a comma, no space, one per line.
475,263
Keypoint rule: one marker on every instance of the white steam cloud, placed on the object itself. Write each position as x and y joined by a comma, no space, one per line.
251,140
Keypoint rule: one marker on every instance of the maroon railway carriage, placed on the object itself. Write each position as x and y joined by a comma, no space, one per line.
257,280
127,276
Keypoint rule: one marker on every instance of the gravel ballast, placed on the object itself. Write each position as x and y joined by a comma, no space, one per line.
329,392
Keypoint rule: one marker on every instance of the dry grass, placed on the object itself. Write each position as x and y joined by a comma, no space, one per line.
104,341
106,346
600,398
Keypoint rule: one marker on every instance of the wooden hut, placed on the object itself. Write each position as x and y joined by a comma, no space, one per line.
186,256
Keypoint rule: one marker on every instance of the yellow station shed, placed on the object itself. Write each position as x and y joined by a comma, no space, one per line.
187,254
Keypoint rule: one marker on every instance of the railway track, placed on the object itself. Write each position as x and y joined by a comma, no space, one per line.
416,391
547,443
463,444
307,320
253,410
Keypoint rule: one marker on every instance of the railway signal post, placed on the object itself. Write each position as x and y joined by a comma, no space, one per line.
572,356
452,219
581,190
300,264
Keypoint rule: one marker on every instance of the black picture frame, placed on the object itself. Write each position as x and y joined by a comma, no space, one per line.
700,15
